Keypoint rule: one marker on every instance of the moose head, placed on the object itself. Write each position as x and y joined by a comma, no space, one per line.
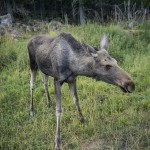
106,68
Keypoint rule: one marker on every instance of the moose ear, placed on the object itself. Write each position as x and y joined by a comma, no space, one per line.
105,42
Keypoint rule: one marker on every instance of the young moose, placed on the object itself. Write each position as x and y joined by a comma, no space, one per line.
64,58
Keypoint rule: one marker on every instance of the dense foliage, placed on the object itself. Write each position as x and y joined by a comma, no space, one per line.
59,9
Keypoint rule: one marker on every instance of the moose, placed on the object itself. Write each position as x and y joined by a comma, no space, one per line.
64,58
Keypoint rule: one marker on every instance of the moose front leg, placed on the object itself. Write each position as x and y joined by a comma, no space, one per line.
58,113
73,90
46,89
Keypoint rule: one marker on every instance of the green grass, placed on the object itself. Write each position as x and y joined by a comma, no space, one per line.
114,120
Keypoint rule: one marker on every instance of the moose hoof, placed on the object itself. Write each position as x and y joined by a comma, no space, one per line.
31,114
48,105
57,148
58,143
82,120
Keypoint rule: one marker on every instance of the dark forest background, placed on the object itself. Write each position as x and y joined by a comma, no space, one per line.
77,11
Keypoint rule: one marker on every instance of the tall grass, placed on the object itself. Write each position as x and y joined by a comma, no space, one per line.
113,120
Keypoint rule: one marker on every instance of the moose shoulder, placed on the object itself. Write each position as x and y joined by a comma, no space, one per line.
64,58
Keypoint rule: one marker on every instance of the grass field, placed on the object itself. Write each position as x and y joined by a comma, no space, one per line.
114,120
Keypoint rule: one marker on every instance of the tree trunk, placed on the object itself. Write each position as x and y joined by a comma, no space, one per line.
82,15
73,4
129,15
66,19
9,8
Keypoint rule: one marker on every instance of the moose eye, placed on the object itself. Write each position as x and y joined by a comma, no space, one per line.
107,67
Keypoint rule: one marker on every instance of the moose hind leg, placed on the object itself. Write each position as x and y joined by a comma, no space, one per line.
73,90
58,114
46,84
32,80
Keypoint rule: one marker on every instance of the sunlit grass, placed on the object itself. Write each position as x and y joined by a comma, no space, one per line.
114,120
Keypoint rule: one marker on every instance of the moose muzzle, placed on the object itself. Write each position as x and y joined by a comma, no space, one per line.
128,86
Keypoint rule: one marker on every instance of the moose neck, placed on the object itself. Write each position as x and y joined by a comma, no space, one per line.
86,67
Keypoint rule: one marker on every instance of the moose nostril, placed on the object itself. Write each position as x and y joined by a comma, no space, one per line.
130,87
